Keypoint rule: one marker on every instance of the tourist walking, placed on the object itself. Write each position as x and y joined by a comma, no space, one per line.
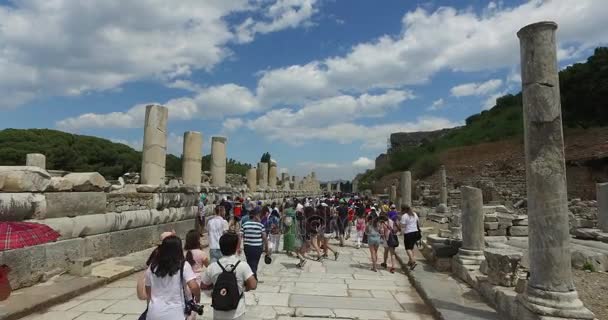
342,221
289,228
255,241
411,233
216,226
325,231
165,280
360,227
389,240
229,278
194,255
273,226
373,239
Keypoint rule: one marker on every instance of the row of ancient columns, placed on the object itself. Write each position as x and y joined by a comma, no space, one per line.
155,152
550,291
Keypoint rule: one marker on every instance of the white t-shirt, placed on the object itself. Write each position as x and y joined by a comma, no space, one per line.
409,223
299,207
216,227
167,297
243,272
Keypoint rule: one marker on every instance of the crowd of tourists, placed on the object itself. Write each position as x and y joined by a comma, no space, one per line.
239,227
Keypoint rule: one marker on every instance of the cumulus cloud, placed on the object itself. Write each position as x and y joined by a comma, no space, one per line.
476,89
69,47
364,163
436,105
232,124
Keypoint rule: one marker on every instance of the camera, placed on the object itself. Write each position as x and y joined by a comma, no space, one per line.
193,306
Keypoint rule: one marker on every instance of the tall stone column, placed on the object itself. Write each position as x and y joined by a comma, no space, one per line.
272,176
329,187
406,188
192,158
263,175
338,187
218,161
154,151
393,194
35,160
602,204
471,251
285,177
550,290
355,186
252,179
443,195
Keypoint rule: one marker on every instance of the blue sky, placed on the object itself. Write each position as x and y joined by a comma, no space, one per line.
320,84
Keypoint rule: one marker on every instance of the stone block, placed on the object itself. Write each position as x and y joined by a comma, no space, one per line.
97,247
503,266
65,226
21,206
60,184
81,267
61,254
148,188
583,223
587,234
441,208
490,225
131,240
520,220
518,231
444,251
588,256
93,224
23,179
87,181
28,265
72,204
490,217
499,232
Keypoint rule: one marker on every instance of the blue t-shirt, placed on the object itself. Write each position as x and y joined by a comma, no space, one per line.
393,215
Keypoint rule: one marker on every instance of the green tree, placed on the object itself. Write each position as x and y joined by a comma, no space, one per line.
265,157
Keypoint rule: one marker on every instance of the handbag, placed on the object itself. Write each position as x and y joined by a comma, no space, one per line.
393,240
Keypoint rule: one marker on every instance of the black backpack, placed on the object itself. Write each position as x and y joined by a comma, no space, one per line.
225,295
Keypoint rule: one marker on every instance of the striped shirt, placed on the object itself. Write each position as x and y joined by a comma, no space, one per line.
252,233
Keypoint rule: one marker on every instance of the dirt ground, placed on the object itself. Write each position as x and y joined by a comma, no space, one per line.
593,290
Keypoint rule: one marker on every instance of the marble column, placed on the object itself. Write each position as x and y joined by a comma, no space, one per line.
35,160
272,176
285,177
154,151
472,217
602,205
263,175
406,188
550,290
218,161
393,196
443,195
192,158
252,179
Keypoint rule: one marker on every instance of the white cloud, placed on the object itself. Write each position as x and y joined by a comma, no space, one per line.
69,47
135,144
319,165
437,104
232,124
476,89
490,101
364,163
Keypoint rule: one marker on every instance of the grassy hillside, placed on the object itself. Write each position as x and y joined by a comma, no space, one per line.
65,151
584,95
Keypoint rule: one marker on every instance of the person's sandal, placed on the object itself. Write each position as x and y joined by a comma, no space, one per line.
392,270
413,265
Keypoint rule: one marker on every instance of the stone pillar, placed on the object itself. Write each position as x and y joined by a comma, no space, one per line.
443,195
329,187
218,161
602,206
355,186
192,158
252,179
272,176
472,218
406,188
550,290
338,187
35,160
393,195
154,151
285,178
263,175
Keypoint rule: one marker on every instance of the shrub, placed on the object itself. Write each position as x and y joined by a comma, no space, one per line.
426,166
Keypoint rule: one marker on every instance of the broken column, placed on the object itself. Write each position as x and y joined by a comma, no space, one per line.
272,175
218,161
602,204
252,177
443,195
154,152
192,158
35,160
472,218
393,194
550,290
263,175
406,188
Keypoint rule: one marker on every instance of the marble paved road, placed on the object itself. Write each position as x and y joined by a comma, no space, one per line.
343,289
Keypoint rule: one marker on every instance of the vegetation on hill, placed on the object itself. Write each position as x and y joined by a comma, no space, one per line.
65,151
584,96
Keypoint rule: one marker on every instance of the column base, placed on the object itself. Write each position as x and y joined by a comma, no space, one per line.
554,304
470,257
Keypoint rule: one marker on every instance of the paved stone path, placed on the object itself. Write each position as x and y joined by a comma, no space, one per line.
344,289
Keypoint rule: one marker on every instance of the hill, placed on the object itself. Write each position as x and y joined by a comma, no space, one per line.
71,152
584,96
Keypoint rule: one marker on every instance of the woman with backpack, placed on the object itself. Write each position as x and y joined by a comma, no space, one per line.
165,280
388,231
